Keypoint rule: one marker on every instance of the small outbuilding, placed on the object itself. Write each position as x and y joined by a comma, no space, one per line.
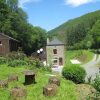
7,44
55,52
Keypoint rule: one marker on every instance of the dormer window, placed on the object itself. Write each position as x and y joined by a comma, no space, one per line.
54,51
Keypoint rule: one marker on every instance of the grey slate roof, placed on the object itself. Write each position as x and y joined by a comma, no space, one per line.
55,42
8,37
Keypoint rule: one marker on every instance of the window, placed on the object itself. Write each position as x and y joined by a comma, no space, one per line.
54,51
0,43
55,61
60,61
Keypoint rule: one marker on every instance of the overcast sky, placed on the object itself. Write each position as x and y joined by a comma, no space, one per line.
49,14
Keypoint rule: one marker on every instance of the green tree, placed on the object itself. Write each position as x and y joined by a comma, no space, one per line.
13,4
95,32
75,31
13,22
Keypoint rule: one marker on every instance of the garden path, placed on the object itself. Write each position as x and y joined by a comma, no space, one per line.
91,68
58,69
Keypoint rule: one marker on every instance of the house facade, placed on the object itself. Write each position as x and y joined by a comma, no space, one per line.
55,53
7,44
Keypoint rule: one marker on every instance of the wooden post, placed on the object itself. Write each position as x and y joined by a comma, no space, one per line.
54,80
29,77
3,83
13,77
18,93
50,90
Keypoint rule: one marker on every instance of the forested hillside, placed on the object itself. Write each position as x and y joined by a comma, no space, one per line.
14,22
82,32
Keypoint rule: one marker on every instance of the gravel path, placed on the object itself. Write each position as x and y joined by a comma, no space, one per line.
91,68
58,69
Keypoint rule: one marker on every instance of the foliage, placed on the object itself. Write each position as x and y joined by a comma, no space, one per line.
16,63
3,60
20,59
30,61
74,73
38,63
13,22
95,33
96,83
46,69
34,62
16,56
80,33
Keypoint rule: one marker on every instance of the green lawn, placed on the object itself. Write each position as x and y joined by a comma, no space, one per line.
98,65
83,56
67,90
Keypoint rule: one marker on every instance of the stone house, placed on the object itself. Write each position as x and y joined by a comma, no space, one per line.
7,44
55,53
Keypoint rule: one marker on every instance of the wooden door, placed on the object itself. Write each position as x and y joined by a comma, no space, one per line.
60,61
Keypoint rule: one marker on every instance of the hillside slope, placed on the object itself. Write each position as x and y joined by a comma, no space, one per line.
76,30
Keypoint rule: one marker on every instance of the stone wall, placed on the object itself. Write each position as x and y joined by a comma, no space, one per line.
51,55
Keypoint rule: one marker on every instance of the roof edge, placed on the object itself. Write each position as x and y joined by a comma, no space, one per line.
9,37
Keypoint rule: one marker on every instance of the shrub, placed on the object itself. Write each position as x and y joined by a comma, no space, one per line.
96,83
34,62
30,61
15,63
75,73
38,63
2,60
46,68
16,56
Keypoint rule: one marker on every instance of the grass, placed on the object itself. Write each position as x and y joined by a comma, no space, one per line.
86,56
83,56
67,90
98,65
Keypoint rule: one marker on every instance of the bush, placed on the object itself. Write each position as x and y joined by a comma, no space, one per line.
38,63
46,68
3,60
16,56
96,83
30,62
75,73
15,63
34,62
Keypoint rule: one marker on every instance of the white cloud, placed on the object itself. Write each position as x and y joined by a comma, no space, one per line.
23,2
76,3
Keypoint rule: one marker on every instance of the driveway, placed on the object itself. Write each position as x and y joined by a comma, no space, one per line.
58,69
91,67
